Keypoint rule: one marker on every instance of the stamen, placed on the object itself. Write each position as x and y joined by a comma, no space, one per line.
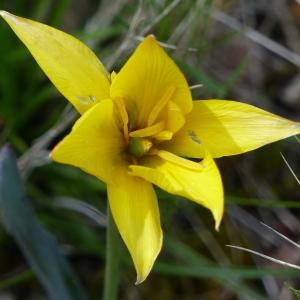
148,131
161,103
164,135
124,116
168,156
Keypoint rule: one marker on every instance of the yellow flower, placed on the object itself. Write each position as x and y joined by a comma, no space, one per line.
138,127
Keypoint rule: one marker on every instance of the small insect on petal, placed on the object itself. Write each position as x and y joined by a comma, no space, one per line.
194,136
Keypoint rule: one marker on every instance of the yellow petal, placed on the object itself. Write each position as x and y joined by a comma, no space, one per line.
199,182
135,210
148,81
228,128
72,67
95,143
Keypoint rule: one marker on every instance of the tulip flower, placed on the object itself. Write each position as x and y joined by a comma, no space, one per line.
140,127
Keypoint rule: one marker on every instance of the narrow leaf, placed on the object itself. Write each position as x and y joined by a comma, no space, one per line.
38,246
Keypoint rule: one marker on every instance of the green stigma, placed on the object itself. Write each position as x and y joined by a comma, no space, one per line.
139,146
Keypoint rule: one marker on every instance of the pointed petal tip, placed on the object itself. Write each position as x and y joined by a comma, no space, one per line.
150,39
140,278
4,13
142,274
238,133
56,53
218,216
139,281
296,127
217,225
151,36
51,154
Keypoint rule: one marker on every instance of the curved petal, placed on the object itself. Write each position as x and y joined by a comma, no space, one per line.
135,210
95,143
147,82
199,182
228,128
72,67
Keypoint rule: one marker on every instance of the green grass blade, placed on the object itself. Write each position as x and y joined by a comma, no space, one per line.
16,279
38,246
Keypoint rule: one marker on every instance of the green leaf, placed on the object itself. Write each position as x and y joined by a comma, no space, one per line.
38,246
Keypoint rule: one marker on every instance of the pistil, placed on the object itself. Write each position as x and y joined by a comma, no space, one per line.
138,147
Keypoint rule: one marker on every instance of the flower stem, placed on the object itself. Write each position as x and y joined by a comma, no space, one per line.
112,259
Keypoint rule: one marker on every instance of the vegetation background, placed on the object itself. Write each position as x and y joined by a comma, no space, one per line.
234,49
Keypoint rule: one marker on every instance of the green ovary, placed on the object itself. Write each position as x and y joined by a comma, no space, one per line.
138,147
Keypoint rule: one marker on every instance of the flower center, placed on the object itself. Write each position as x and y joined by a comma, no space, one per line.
138,146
